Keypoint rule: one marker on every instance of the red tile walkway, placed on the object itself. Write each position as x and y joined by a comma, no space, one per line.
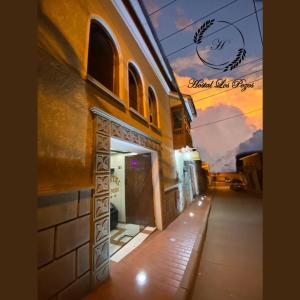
154,269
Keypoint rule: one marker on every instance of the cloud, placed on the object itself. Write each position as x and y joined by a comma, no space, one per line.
181,20
189,64
218,143
250,65
223,136
183,64
249,100
226,163
254,143
151,6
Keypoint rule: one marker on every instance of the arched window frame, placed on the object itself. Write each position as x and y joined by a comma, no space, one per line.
118,58
156,121
136,74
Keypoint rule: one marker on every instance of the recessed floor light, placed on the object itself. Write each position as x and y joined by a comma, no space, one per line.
141,278
191,214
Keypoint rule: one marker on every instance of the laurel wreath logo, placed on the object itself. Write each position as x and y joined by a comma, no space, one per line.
199,33
238,59
198,36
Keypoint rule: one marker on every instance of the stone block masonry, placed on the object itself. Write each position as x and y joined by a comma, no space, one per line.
71,235
63,239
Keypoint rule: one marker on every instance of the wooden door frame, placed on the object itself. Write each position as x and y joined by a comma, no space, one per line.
155,170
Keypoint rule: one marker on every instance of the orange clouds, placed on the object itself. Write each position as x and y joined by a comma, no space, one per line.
246,101
184,63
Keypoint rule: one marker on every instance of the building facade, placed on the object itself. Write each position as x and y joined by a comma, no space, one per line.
188,164
250,165
104,90
182,116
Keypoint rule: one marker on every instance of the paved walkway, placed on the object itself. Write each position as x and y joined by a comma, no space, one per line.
231,262
154,270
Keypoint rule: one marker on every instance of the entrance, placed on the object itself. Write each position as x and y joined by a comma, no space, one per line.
131,193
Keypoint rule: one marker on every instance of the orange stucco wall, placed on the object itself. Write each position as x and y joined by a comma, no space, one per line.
65,125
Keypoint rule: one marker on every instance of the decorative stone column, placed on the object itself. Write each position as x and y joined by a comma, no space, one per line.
107,126
100,221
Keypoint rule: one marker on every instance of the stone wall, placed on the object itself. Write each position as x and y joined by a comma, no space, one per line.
63,238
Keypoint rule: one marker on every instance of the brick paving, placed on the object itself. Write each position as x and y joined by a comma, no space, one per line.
154,270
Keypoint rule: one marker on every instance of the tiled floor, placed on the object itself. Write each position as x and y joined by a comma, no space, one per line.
155,268
131,244
122,234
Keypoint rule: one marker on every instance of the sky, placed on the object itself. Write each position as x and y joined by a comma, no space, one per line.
217,140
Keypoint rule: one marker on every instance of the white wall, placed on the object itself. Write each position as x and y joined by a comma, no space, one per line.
194,174
156,191
185,182
179,170
117,185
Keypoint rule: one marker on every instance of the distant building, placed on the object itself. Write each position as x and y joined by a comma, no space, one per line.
188,161
182,116
250,164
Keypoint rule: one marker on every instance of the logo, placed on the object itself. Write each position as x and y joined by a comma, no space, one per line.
224,52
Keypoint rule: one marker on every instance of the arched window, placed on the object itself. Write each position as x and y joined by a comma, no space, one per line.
102,58
135,89
152,107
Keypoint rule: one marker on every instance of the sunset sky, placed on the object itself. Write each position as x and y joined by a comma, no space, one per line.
220,140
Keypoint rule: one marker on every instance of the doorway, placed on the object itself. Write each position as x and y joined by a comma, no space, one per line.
131,193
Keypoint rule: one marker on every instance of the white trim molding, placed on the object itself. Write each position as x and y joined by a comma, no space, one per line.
140,41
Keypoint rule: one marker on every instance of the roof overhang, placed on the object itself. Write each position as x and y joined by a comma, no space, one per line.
137,21
251,155
186,104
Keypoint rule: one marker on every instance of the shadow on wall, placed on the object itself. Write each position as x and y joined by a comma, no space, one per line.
64,121
51,39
